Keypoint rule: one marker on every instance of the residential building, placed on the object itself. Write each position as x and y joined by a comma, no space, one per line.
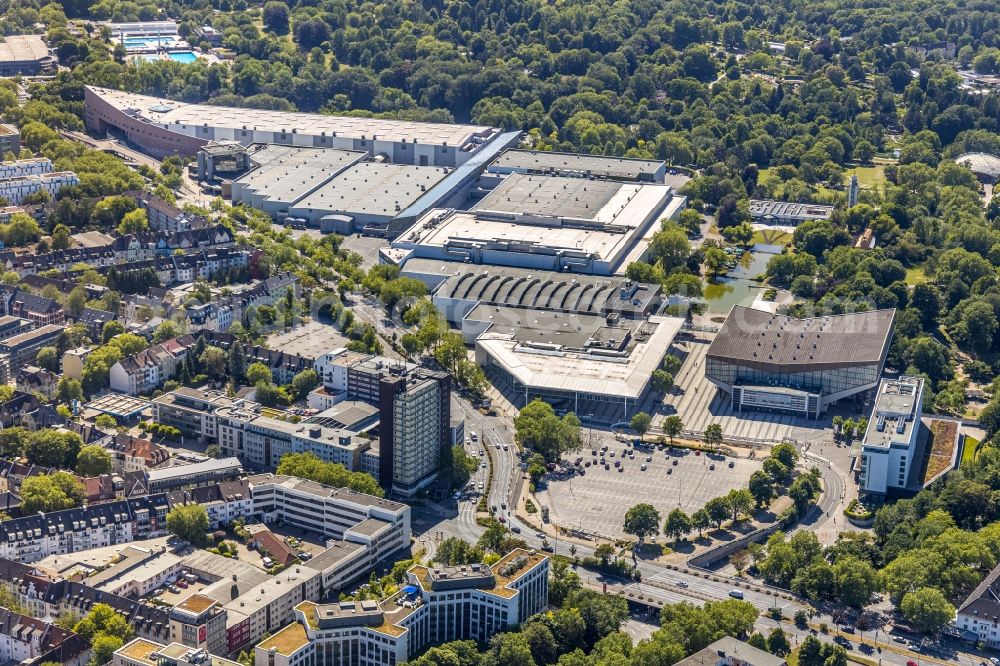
146,370
439,605
199,622
39,310
890,441
193,412
136,571
165,217
776,363
979,615
16,190
10,139
195,475
729,651
32,379
29,641
32,538
95,320
132,454
72,361
46,594
22,349
224,502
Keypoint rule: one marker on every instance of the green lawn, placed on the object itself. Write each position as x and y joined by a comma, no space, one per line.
771,237
868,176
970,450
915,276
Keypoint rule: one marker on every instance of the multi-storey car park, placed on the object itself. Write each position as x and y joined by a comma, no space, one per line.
777,363
164,127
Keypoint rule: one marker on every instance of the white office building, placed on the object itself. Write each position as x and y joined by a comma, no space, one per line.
439,605
890,441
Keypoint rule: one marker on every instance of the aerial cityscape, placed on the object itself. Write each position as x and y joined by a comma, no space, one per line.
499,334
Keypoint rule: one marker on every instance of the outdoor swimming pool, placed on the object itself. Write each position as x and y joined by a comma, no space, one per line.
136,43
186,57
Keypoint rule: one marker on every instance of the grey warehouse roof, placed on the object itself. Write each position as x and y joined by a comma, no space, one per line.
542,161
550,195
166,111
372,188
774,342
286,174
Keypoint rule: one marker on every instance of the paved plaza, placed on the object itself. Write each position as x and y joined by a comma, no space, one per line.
597,501
699,403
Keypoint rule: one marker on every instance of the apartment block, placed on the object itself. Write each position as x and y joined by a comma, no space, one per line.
269,606
32,538
472,602
192,411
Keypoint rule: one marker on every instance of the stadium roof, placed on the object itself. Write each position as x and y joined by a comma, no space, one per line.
774,342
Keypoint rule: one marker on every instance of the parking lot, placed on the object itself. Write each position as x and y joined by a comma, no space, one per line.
596,502
174,598
699,403
311,340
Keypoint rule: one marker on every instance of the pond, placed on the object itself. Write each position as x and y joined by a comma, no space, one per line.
738,287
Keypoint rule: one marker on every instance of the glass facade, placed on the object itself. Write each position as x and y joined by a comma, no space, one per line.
823,382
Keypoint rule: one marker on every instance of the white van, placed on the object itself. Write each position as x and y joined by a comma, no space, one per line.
474,436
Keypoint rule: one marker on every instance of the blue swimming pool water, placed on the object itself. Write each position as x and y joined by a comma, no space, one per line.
146,42
186,57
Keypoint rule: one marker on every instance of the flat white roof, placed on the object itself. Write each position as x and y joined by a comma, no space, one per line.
578,372
166,112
